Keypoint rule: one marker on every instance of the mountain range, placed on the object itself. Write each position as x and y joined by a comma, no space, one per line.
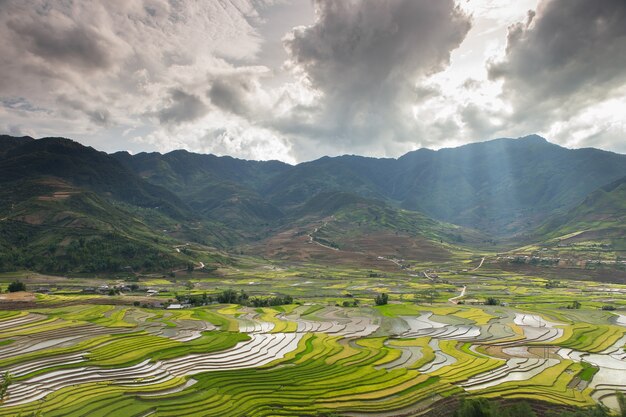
64,205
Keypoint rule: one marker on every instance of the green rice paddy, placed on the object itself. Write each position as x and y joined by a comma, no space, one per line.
71,355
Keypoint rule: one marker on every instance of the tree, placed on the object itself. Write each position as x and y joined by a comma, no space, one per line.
381,299
16,286
7,378
228,296
492,301
479,407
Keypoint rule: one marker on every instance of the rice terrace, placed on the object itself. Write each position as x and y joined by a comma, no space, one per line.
332,352
313,208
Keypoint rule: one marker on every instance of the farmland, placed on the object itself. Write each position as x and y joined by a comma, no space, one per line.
331,352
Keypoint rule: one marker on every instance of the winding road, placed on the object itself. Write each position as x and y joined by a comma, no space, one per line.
479,265
312,239
453,300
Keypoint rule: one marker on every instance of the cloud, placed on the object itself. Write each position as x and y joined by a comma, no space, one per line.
97,115
94,67
370,77
239,91
567,55
365,59
60,41
182,107
221,136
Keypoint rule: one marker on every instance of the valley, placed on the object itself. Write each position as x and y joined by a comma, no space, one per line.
190,284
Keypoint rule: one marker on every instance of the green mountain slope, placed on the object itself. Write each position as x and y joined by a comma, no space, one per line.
86,167
68,208
601,217
49,225
502,187
341,227
222,189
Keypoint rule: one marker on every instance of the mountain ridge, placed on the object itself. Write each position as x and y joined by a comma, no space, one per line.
478,193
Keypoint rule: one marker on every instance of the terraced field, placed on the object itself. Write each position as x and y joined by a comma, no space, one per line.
299,360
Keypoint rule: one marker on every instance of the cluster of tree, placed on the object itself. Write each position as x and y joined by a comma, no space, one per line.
112,254
353,303
482,407
195,299
492,301
574,306
553,283
230,296
16,286
381,299
543,261
106,253
271,301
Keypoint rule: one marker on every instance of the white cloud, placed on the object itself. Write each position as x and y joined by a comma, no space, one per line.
375,78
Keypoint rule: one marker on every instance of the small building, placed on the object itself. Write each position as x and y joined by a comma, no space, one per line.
152,292
175,307
103,289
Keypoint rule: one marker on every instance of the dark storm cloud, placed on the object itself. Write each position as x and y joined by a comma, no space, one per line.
97,115
19,103
72,44
181,107
566,56
366,58
231,94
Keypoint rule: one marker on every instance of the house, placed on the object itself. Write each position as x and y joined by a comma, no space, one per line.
103,289
152,292
175,307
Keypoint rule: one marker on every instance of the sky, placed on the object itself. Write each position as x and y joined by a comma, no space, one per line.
295,80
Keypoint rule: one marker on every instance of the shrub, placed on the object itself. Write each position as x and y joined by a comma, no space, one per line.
381,299
4,385
16,286
492,301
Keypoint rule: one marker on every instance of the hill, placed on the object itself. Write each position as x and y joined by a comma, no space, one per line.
345,228
502,187
600,218
221,189
65,207
419,205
